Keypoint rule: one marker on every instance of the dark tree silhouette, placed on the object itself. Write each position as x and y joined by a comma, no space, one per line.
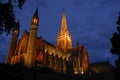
7,17
115,40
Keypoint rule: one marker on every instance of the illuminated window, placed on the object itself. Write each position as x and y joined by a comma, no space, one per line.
35,21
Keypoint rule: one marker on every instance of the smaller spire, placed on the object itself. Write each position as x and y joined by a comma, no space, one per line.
35,18
16,28
82,47
36,13
18,24
77,43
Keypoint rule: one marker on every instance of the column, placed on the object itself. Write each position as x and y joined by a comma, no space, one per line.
64,66
55,62
60,64
52,61
50,58
47,59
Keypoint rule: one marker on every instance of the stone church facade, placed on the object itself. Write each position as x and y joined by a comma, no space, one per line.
31,50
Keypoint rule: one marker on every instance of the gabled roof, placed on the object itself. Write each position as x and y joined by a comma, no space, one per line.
25,34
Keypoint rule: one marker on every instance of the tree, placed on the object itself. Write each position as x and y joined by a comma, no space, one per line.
115,40
7,17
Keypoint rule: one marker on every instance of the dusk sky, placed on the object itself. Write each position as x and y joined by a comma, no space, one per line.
91,22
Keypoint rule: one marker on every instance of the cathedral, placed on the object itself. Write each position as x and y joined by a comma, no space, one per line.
33,51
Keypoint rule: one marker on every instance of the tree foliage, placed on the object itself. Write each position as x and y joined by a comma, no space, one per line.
115,40
7,17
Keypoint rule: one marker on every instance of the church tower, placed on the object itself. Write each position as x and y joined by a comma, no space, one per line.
31,51
13,43
64,38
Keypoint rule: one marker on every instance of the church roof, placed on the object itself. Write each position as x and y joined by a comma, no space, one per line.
49,43
46,42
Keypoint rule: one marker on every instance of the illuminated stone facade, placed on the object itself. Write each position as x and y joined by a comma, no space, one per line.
35,51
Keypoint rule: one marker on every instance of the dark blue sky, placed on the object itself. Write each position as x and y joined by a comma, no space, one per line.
91,22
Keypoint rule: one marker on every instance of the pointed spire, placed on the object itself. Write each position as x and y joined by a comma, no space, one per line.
77,43
64,40
35,18
36,13
18,25
16,29
64,22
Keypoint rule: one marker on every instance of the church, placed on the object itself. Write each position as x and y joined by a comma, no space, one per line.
33,51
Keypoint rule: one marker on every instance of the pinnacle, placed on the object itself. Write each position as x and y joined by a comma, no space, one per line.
36,13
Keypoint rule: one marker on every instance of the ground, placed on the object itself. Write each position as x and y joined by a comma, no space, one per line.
20,72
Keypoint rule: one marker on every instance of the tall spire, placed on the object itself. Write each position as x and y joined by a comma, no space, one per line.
64,23
64,38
